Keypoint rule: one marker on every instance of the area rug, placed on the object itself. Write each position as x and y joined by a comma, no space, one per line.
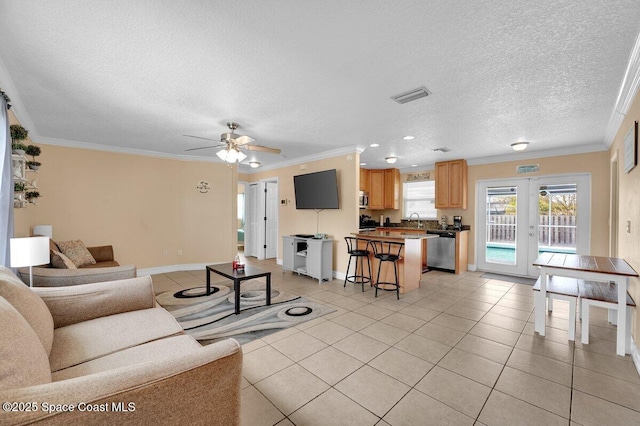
211,318
509,278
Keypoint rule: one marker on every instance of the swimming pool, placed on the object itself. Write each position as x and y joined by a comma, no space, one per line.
507,254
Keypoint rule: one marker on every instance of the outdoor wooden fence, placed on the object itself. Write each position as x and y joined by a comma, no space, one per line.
552,230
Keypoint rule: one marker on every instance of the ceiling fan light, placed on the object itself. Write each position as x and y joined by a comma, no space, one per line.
519,146
240,156
254,164
222,154
391,160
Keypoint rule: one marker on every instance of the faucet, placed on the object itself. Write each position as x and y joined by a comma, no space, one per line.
411,215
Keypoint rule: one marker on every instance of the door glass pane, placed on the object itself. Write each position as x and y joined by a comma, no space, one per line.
557,208
501,225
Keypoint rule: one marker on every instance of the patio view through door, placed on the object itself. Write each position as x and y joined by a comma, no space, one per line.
520,218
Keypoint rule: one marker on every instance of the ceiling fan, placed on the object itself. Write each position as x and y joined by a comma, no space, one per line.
232,143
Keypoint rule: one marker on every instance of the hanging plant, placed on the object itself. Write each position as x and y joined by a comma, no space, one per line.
18,133
18,186
31,195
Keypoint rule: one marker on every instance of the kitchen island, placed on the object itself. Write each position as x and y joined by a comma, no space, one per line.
411,262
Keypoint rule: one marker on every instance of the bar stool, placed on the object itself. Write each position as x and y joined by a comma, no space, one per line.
387,251
359,254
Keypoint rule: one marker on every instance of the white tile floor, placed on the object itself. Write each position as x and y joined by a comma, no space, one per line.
459,350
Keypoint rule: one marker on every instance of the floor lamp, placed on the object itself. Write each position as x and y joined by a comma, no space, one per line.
29,252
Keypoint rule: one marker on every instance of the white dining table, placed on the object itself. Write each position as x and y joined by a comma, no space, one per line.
591,268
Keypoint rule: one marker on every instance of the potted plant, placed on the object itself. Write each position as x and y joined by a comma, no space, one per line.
33,165
33,150
31,196
18,186
18,148
18,133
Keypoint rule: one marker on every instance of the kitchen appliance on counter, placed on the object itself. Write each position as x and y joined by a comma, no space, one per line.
366,223
457,223
441,252
364,199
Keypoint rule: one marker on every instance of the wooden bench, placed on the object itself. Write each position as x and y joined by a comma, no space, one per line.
605,295
563,288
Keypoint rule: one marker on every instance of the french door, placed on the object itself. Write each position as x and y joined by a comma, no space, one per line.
520,218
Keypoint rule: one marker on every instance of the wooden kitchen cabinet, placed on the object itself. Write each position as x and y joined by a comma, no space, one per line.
451,184
392,189
376,189
364,180
384,189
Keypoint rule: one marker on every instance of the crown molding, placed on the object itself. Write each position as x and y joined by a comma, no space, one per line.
314,157
521,156
628,91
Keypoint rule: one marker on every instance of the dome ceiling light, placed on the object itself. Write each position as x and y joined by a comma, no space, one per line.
519,146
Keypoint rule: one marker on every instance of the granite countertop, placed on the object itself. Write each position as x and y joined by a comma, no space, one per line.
450,228
393,235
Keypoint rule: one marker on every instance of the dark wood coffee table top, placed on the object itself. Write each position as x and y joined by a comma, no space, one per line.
226,270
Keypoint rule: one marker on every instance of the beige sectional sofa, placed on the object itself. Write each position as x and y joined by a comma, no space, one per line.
105,353
105,269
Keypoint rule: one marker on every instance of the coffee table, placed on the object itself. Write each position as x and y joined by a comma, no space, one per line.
249,272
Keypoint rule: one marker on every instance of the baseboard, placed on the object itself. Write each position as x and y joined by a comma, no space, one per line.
175,268
635,355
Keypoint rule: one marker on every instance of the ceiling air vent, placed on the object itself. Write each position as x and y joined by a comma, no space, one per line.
412,95
444,149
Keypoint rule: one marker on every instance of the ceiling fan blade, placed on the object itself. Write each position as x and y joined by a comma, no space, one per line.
262,148
243,140
202,147
199,137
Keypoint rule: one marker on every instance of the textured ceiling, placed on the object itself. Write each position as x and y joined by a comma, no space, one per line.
311,77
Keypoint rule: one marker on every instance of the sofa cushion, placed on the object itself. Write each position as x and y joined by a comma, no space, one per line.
108,264
77,252
60,261
23,360
88,340
157,350
29,305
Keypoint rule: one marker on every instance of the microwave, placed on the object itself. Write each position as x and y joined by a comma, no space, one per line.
364,200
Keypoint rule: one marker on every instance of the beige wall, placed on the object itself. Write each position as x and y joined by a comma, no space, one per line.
337,223
629,207
141,205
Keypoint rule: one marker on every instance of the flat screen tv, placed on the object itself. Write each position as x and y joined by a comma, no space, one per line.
316,191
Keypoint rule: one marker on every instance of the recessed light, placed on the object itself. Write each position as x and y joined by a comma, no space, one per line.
408,137
391,160
414,165
363,164
254,164
374,145
519,146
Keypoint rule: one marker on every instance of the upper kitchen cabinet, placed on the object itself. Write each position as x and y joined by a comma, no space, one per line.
392,189
451,184
364,180
384,189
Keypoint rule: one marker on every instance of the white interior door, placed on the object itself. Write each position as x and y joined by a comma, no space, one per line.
252,223
271,220
520,218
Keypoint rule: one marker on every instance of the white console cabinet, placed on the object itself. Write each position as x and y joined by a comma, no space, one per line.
308,256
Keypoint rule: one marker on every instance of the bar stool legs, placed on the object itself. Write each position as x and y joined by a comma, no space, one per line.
360,255
387,251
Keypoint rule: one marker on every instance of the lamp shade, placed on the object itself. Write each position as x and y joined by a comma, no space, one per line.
43,230
29,251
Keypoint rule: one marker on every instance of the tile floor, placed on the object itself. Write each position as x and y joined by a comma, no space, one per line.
459,350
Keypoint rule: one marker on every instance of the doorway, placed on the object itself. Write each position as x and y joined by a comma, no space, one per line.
520,218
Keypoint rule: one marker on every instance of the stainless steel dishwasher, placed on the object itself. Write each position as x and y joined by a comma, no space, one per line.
441,252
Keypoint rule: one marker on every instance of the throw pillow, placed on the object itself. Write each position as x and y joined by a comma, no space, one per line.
77,252
60,261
